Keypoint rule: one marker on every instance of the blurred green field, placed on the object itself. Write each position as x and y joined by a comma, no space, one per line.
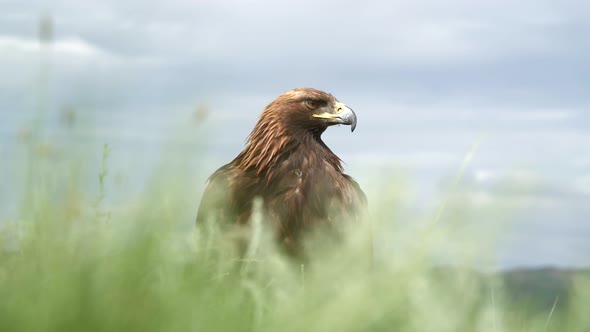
71,262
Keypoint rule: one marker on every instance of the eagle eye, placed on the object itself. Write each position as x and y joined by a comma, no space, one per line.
312,104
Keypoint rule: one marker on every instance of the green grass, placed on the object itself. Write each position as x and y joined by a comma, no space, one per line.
69,262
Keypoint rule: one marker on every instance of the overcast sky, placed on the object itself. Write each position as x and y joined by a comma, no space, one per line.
428,79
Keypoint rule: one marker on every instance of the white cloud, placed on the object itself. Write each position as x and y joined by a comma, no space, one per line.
485,175
389,31
65,49
582,184
539,115
581,162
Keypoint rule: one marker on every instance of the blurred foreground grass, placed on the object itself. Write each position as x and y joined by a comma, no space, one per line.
70,263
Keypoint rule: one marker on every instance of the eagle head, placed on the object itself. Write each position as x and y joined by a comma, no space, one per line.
309,109
294,121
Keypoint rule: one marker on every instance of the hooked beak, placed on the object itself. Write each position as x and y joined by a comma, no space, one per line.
341,114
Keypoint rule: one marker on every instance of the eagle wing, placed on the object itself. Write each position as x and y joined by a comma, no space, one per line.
356,194
216,202
227,199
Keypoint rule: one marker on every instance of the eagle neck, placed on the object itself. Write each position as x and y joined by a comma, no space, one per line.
313,147
267,149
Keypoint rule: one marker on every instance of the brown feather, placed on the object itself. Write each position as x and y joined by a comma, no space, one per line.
285,162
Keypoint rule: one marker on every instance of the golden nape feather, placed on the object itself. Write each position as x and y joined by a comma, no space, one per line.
286,163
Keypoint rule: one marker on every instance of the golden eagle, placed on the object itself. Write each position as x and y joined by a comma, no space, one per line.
286,163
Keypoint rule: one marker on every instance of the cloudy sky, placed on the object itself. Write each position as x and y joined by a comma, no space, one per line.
428,80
